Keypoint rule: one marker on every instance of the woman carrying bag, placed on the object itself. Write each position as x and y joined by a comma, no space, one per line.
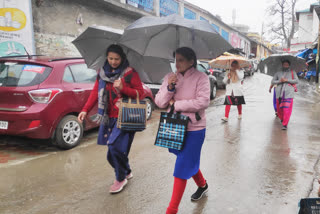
114,81
234,96
286,81
188,91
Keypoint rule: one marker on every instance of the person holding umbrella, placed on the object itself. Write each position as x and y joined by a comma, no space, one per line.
234,96
188,91
286,81
114,81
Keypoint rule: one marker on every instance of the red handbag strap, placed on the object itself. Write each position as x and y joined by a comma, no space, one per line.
292,74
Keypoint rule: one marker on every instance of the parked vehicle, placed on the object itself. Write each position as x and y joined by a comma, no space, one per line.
254,63
249,71
310,74
213,81
40,97
154,87
148,96
205,64
219,76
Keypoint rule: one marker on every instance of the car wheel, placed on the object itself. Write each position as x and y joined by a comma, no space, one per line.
213,92
150,107
69,132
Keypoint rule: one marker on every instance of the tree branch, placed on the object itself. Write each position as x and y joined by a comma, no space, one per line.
285,10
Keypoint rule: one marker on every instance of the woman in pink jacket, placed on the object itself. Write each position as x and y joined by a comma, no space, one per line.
188,90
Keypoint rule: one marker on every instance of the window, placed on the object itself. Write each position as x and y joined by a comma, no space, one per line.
67,76
14,74
189,14
216,27
201,68
146,5
168,7
205,65
225,35
82,74
201,18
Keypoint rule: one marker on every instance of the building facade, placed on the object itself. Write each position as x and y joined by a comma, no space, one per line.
190,11
259,49
307,29
57,22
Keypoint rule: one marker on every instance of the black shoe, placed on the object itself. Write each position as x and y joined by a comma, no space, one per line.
284,127
199,193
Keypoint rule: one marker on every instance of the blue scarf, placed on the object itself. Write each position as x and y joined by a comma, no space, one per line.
107,75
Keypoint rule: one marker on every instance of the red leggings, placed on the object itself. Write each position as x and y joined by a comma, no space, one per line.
228,107
178,190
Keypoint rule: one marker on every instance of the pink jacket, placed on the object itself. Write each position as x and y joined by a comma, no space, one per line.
192,95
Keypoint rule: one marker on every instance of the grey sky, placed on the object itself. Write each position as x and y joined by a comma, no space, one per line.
249,12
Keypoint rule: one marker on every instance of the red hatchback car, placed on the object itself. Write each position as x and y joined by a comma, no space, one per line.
40,97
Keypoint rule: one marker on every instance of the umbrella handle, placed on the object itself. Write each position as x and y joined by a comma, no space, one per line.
175,64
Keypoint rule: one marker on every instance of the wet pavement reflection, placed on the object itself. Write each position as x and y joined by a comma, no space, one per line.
251,165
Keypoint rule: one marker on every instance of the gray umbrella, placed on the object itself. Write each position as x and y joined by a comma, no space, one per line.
273,63
94,41
161,36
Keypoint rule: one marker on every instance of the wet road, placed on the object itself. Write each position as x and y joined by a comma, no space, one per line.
251,166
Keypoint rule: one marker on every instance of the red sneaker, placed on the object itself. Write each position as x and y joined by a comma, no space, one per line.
118,186
129,176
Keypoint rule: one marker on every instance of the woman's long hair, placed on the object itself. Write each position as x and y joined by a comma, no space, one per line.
118,50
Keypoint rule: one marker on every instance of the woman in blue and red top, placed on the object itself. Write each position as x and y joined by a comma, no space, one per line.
114,81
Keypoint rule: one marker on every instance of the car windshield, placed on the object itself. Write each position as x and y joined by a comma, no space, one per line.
205,65
13,74
201,68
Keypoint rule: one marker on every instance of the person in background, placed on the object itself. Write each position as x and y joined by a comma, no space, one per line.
286,81
274,98
188,91
234,95
115,80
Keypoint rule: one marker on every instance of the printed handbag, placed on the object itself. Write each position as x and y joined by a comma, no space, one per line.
172,130
132,114
293,85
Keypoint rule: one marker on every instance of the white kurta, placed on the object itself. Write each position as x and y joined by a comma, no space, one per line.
236,88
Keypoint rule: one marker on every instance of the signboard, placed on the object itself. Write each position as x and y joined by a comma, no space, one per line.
235,40
16,27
